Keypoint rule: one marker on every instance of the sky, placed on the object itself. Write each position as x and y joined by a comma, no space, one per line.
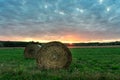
60,20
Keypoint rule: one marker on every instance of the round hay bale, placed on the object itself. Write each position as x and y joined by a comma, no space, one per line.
54,55
31,50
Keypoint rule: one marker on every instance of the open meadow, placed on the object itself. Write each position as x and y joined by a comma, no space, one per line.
87,64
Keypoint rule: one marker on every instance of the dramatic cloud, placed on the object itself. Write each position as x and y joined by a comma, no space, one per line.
63,20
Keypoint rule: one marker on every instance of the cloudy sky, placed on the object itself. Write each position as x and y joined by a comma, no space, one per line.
61,20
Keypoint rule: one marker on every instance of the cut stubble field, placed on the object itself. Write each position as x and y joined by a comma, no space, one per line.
87,64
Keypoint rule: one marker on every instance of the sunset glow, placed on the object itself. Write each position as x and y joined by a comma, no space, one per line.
64,40
59,20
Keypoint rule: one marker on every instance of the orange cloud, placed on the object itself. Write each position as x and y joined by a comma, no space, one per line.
66,39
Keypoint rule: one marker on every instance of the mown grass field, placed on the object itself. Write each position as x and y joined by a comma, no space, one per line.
87,64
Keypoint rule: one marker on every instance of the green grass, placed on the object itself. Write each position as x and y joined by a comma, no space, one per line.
87,64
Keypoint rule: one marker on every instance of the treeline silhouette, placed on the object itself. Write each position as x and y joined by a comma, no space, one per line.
116,43
15,43
23,44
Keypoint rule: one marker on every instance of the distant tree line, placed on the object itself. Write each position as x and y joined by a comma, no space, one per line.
95,44
15,43
98,44
23,44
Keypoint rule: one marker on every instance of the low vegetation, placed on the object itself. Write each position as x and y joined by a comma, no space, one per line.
87,64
